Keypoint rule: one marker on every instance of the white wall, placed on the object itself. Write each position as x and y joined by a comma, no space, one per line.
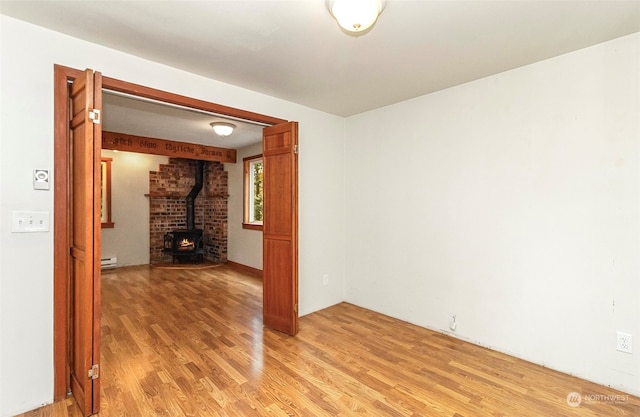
129,239
26,131
2,223
244,245
513,202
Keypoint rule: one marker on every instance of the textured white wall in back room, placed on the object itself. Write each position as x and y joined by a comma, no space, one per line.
129,239
245,245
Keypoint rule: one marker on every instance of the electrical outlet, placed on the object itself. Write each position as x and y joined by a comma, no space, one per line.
325,279
452,321
624,343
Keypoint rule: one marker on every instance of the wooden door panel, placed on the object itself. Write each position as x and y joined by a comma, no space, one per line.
278,302
277,219
97,232
280,227
280,142
84,135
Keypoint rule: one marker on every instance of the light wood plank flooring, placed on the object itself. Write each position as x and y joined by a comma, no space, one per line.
191,343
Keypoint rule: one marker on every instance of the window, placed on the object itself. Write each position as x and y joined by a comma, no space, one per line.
105,193
253,192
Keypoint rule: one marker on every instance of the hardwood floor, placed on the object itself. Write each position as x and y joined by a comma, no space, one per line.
191,343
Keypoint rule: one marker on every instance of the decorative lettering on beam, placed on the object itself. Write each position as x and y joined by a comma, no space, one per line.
141,144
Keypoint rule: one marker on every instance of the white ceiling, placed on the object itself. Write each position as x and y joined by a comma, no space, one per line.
124,114
294,50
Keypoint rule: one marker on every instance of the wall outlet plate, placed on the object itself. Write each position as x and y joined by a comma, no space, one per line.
624,342
452,321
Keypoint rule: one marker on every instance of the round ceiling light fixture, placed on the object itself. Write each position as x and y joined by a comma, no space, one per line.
356,16
223,128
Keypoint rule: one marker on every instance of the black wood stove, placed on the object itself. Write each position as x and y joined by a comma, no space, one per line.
187,245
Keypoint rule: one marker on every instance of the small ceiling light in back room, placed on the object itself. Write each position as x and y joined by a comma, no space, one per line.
356,16
223,128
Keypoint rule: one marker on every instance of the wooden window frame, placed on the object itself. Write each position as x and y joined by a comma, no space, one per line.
105,194
247,193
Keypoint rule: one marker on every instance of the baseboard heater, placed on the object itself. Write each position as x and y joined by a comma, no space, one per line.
108,263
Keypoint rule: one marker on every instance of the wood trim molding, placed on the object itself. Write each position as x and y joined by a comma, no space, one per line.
61,225
246,193
245,269
252,226
105,182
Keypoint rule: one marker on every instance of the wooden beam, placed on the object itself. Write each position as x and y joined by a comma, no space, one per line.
141,144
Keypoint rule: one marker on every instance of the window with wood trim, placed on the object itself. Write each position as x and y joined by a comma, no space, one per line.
105,193
253,202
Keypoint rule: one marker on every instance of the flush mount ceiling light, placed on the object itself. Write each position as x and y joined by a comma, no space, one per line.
223,128
356,16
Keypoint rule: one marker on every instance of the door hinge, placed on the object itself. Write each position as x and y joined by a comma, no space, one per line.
295,308
94,115
94,372
295,149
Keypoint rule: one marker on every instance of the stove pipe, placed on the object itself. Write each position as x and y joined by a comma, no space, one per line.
191,198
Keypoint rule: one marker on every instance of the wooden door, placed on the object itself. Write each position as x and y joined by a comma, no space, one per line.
85,144
280,227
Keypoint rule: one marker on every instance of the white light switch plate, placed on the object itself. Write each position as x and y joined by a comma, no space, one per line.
30,221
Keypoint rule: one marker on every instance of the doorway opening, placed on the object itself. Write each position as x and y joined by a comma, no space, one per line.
279,140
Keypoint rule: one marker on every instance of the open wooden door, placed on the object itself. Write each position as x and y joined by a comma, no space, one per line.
85,146
280,227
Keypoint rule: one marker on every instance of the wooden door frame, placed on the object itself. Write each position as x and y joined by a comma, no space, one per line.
61,297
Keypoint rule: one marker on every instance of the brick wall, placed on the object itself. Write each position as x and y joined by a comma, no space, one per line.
216,188
168,189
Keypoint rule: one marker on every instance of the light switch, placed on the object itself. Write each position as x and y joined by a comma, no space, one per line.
30,221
